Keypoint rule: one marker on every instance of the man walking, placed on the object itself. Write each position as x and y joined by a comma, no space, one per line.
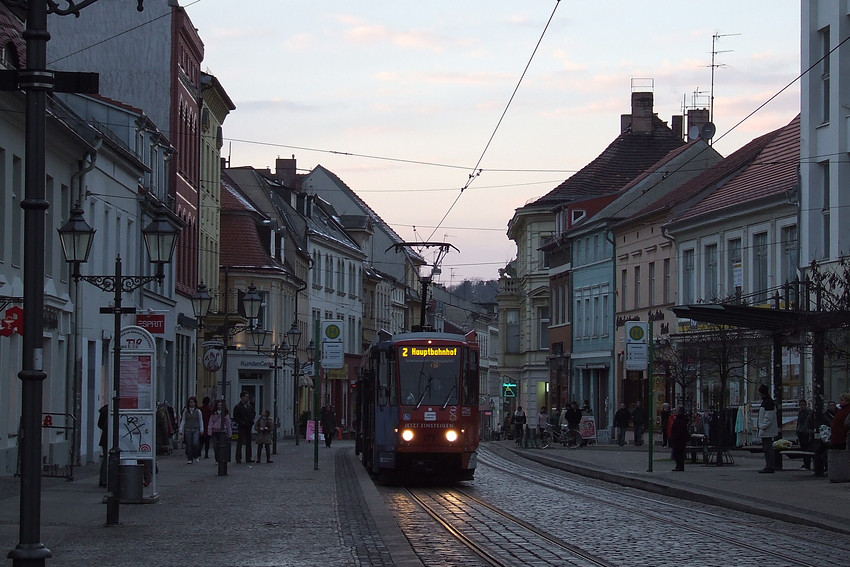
621,422
639,422
243,415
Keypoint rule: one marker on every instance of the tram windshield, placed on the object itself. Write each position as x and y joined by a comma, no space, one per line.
429,375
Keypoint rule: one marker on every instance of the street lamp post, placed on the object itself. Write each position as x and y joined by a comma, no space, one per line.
251,303
294,337
76,237
36,80
284,349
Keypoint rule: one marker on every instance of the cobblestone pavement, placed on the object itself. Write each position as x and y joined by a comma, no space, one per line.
290,513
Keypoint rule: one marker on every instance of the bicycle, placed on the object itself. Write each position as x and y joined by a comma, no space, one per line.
570,438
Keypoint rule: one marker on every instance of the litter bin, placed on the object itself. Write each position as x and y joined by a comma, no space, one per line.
132,477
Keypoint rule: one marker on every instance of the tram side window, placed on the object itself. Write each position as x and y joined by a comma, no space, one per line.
469,383
381,379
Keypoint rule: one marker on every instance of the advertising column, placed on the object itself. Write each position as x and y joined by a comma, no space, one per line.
137,407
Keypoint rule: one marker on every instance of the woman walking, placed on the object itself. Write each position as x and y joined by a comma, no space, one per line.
191,427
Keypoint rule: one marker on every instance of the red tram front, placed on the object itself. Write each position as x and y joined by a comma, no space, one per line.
418,406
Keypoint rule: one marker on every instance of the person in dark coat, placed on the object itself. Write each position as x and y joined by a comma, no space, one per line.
679,437
638,422
102,422
243,415
805,430
621,422
264,427
328,424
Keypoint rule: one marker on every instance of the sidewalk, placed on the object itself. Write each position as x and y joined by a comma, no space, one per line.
283,513
792,495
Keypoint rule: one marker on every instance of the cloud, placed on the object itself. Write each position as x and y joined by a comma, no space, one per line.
276,105
361,32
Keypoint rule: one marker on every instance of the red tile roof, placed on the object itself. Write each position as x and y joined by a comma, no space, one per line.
240,241
773,171
625,158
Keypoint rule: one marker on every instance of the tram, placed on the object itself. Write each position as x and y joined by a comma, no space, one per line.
417,406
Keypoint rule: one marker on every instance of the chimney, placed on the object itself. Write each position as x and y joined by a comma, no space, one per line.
697,117
284,171
676,124
642,114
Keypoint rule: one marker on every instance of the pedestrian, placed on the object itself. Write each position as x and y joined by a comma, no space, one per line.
805,431
638,422
328,424
243,415
206,412
831,410
518,421
768,428
621,422
839,436
220,430
264,435
102,423
679,437
191,427
542,420
666,414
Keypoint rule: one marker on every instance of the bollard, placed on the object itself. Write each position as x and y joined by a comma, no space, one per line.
222,451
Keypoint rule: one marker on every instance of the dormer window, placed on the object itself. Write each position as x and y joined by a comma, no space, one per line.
577,215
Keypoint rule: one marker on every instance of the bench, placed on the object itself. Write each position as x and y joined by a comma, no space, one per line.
793,453
697,444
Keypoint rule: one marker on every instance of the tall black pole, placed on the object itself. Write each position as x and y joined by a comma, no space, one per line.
274,403
30,550
114,479
296,419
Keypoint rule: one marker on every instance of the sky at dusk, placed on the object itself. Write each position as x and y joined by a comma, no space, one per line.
404,101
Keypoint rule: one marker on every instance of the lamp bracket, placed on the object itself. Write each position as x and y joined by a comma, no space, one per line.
125,283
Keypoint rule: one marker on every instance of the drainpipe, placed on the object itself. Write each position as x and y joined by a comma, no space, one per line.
74,381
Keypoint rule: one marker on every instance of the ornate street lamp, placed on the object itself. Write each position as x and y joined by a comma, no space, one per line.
293,338
76,237
36,80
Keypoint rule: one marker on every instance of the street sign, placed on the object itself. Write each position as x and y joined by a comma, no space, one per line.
637,349
333,351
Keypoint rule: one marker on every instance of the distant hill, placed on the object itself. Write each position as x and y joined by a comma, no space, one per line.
478,291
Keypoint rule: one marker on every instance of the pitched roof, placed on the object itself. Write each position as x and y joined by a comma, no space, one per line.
773,171
623,160
710,179
240,242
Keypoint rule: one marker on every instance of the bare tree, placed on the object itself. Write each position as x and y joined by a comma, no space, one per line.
718,355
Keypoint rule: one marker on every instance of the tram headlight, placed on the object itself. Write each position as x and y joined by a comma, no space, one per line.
451,435
407,434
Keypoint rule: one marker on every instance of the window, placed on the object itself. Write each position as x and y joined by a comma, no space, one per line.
340,274
688,283
736,268
579,320
824,38
789,253
329,273
317,269
666,280
827,248
760,267
624,287
637,287
597,316
651,298
543,328
543,258
711,271
605,321
512,331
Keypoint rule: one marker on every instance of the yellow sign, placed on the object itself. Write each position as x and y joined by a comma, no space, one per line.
428,351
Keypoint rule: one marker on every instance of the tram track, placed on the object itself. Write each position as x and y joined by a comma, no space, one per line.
497,537
701,528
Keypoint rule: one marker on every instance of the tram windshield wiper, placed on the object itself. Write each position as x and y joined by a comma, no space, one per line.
425,391
449,396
